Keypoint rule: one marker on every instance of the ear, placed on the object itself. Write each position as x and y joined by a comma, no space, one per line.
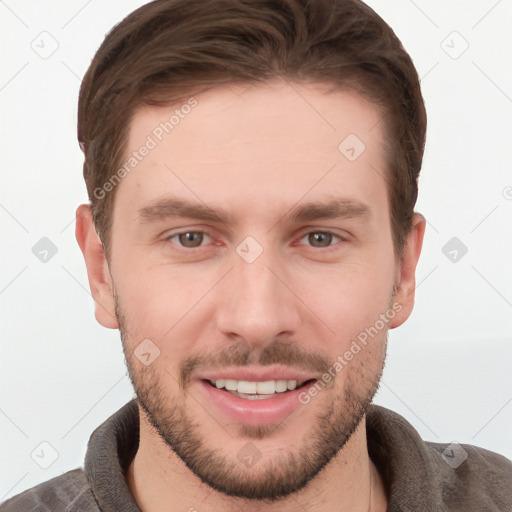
406,280
100,280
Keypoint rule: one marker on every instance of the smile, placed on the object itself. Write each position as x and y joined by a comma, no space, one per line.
256,390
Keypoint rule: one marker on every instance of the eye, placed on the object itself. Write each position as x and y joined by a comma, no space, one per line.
189,239
321,239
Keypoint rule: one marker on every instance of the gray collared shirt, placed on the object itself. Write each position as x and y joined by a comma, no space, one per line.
419,476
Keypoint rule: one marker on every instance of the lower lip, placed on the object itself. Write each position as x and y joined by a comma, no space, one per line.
265,411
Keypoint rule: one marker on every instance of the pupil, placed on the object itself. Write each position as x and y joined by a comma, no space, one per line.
191,239
320,239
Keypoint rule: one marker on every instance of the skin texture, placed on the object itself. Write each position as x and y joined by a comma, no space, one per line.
257,154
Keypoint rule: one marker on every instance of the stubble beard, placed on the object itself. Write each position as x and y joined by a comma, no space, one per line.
272,477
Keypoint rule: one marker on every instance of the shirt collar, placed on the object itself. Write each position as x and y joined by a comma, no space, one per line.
394,446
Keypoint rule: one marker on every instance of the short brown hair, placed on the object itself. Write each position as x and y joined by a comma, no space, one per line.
168,49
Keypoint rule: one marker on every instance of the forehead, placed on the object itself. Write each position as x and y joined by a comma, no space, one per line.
273,143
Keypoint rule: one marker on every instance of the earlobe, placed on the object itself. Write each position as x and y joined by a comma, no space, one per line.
406,284
100,281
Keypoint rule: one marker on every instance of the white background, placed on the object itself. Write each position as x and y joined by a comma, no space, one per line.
449,368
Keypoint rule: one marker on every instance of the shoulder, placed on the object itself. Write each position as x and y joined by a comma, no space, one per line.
423,475
68,492
472,475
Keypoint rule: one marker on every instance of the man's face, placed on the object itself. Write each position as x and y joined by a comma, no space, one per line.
249,249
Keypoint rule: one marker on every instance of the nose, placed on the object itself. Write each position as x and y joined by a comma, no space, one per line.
257,304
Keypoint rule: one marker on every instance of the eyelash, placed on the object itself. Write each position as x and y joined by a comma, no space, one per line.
323,232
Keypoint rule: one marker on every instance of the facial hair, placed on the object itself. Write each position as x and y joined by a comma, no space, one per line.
274,476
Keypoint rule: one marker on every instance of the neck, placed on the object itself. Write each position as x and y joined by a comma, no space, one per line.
158,477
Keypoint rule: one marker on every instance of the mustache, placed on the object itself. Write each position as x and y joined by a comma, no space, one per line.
277,352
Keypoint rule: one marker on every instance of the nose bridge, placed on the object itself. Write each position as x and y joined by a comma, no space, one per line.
257,284
257,306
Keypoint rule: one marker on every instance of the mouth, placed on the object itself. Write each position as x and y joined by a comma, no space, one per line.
254,396
258,390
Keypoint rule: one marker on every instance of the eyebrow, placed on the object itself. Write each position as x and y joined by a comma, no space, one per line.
174,208
169,208
334,209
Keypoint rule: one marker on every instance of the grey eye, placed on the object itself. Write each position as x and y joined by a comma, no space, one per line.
320,238
189,239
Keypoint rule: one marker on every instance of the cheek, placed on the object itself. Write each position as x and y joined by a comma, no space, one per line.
145,302
162,304
349,298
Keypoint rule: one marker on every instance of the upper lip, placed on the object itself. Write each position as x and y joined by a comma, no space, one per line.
257,374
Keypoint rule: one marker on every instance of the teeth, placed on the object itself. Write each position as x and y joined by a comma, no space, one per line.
281,385
231,385
247,387
292,384
268,387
